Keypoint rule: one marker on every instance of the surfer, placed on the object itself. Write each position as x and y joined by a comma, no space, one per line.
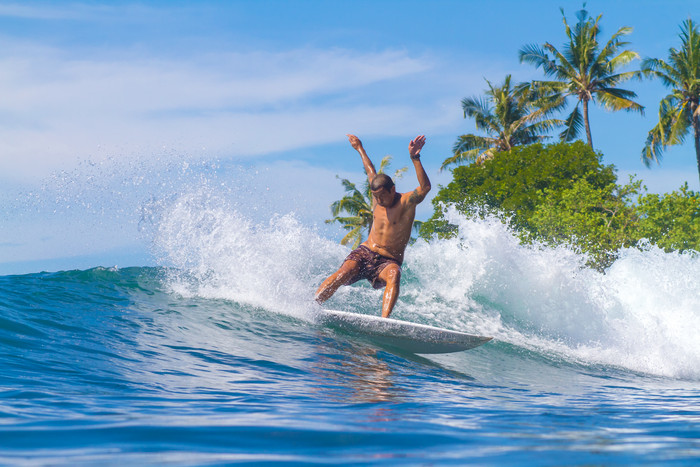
379,257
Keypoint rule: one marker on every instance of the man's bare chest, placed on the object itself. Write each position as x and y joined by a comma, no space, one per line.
396,216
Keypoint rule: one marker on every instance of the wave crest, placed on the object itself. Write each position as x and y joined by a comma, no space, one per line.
636,315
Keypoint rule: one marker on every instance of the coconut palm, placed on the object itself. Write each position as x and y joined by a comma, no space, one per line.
358,205
680,110
586,72
510,116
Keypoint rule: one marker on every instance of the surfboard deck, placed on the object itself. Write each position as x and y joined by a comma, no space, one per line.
404,335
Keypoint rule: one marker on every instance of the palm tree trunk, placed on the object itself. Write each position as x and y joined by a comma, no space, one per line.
586,123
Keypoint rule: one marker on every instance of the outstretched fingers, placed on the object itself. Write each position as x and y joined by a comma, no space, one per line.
416,145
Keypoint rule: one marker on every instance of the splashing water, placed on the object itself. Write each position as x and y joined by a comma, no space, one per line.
218,253
637,315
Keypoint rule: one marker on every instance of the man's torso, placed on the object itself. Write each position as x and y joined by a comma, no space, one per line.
391,229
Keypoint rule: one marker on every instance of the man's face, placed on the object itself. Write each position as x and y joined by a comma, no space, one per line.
384,197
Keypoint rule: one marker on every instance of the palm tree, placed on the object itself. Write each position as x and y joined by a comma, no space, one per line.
358,204
585,72
510,115
680,110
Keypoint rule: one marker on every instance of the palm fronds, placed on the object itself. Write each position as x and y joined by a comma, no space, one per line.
583,70
679,111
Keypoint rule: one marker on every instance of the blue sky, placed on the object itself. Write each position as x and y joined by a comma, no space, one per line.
106,104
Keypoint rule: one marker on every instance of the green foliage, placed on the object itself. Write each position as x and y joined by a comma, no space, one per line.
562,194
596,220
510,116
601,221
671,221
585,71
515,182
679,112
358,205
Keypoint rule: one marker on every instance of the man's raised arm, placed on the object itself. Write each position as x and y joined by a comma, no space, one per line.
414,148
369,167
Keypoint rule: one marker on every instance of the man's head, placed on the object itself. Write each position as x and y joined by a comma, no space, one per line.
383,190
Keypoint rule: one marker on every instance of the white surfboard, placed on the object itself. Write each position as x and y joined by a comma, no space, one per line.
411,337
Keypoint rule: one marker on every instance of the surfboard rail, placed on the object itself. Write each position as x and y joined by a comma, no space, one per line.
411,337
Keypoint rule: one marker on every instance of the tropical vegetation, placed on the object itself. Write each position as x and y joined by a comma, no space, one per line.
511,115
562,192
670,221
679,111
584,71
514,182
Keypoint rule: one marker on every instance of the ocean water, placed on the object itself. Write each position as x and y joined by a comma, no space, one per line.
216,356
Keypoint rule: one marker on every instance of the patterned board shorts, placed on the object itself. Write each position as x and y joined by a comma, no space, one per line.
371,265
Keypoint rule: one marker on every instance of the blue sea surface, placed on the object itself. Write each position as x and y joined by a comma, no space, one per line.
209,361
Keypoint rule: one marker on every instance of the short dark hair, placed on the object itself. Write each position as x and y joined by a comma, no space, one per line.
381,181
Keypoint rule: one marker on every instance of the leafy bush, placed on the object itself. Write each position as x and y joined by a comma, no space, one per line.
561,193
598,221
515,182
671,221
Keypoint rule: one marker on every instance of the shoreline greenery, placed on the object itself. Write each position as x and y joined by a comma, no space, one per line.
562,193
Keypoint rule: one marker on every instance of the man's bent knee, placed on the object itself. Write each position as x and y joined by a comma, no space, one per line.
348,270
339,278
391,274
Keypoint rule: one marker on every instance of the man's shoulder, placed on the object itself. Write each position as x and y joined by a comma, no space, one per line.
414,197
405,200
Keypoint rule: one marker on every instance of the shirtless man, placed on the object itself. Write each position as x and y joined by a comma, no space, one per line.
379,258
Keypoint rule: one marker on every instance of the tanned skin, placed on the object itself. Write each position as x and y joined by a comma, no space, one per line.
391,229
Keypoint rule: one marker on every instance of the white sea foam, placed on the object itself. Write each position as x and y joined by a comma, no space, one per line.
218,253
641,314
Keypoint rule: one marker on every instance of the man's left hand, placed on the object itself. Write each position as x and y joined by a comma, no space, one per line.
415,146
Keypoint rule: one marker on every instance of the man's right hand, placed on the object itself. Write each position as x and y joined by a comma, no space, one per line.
369,167
355,142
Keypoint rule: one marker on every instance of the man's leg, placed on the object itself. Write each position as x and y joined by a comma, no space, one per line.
341,277
392,276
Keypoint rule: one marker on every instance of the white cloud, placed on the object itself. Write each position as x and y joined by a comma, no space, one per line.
58,109
48,81
61,107
58,11
18,10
